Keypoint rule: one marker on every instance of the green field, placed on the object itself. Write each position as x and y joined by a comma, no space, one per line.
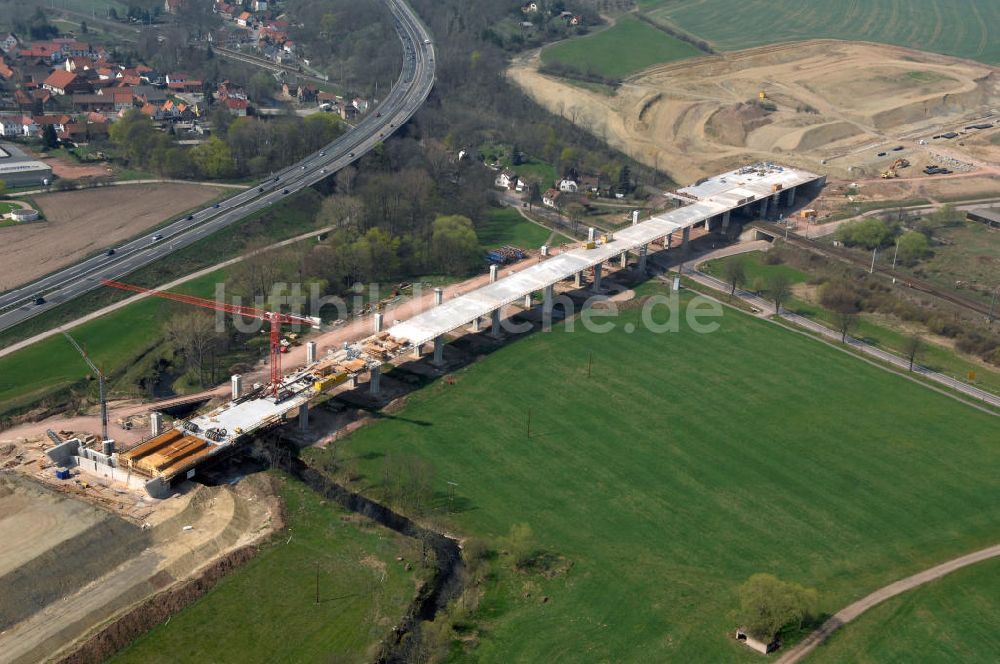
503,226
871,328
625,48
112,341
686,463
966,28
266,611
949,620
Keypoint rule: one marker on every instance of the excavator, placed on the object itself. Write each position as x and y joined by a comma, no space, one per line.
890,172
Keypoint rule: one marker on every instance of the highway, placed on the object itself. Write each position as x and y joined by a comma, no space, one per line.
411,90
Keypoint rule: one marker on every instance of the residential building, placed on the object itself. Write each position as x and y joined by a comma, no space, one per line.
62,82
551,198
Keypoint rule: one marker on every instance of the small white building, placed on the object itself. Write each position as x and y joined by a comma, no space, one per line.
506,179
568,186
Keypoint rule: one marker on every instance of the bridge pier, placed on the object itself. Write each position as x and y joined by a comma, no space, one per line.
475,324
597,278
685,239
375,381
547,297
527,301
791,197
643,251
670,240
578,279
623,260
495,323
725,221
763,208
438,350
304,417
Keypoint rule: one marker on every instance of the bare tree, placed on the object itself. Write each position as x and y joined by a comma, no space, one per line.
914,344
735,273
778,288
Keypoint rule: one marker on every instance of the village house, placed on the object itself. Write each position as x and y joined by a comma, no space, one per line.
506,179
8,43
62,82
568,186
551,198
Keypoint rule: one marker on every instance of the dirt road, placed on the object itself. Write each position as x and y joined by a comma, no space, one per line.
851,612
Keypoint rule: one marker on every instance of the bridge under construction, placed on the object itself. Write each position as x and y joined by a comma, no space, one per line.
173,454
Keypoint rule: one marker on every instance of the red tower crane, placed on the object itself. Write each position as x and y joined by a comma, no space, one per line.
275,319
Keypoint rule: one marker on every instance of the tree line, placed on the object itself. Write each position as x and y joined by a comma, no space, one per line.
240,147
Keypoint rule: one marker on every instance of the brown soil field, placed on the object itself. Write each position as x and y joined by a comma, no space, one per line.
833,106
71,170
79,223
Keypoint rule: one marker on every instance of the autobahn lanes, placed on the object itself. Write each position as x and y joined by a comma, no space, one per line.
411,90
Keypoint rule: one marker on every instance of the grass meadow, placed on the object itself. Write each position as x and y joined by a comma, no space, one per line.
623,49
683,464
969,29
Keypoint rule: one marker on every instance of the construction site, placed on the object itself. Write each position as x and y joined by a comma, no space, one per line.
168,455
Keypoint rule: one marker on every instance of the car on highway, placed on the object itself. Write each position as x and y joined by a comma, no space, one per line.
322,170
351,155
190,217
156,238
261,189
284,191
427,41
216,205
110,252
39,301
303,167
323,153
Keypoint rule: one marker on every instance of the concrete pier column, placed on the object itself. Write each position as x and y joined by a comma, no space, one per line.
763,208
545,250
438,296
670,240
375,381
495,323
547,297
725,220
635,217
791,197
493,273
475,324
591,234
236,385
304,417
708,223
578,279
685,239
597,278
438,350
527,301
417,350
643,252
775,202
310,352
378,319
155,424
623,260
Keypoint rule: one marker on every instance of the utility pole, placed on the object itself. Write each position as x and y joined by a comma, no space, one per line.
895,254
993,303
874,253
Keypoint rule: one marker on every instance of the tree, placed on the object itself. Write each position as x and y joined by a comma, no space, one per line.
625,180
914,345
844,302
454,244
194,335
768,604
49,138
778,288
534,194
868,233
83,27
913,246
214,158
735,273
